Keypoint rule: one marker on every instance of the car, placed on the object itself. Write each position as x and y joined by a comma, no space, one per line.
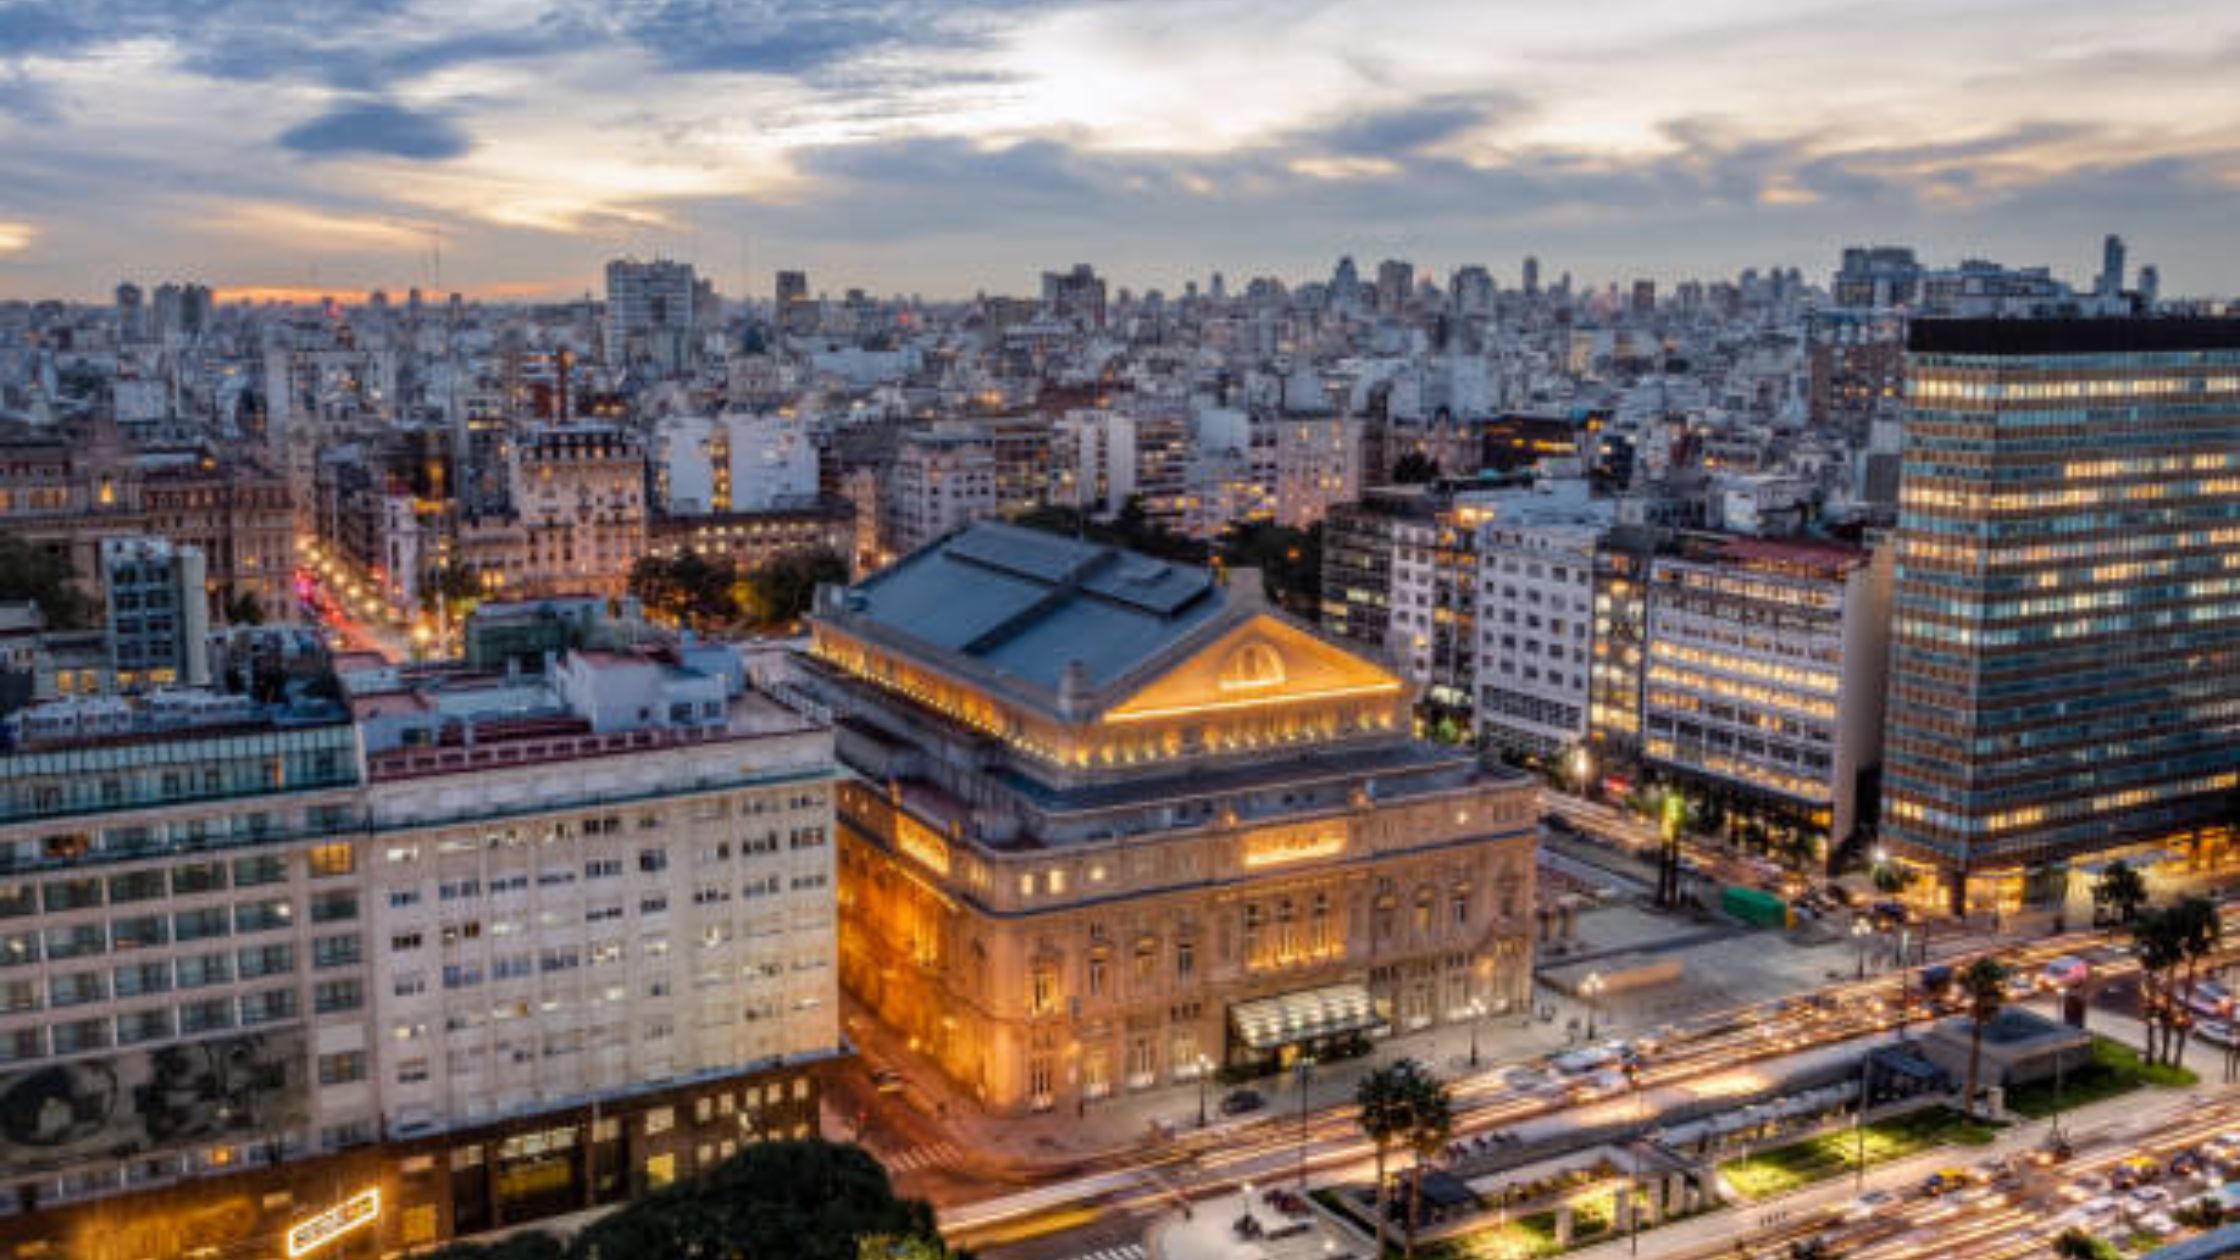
2147,1198
1944,1181
1238,1102
887,1081
1867,1206
2156,1223
2066,972
2186,1163
2135,1171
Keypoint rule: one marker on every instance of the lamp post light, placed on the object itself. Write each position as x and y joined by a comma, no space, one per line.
1860,931
1589,989
1205,1070
1477,1016
1305,1062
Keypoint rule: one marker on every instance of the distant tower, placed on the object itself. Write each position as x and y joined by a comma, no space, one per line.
1531,276
2150,285
2111,266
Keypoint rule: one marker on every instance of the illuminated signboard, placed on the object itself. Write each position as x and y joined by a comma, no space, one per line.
319,1232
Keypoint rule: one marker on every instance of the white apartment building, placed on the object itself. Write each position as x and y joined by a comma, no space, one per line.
158,619
1536,621
640,893
1317,463
733,463
943,477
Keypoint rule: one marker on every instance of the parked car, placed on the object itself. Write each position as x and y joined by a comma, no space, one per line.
1867,1206
887,1081
1238,1102
1944,1181
2066,972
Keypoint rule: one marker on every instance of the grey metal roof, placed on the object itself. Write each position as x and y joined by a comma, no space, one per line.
1022,604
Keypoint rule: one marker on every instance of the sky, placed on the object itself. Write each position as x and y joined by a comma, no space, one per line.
508,148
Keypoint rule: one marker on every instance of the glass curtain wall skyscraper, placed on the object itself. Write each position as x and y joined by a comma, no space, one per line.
2065,670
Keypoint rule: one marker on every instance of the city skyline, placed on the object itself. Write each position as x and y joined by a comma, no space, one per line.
948,149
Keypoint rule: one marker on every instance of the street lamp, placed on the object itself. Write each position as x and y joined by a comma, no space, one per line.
1589,989
1205,1070
1305,1062
1477,1016
1860,931
1582,771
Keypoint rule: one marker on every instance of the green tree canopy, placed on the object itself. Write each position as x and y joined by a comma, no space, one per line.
1415,468
779,593
28,573
689,589
2119,892
807,1200
1289,560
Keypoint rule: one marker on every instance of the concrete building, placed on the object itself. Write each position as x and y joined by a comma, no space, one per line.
1119,825
1317,465
1764,688
651,309
751,540
2066,668
1536,620
158,617
485,950
942,478
579,502
733,463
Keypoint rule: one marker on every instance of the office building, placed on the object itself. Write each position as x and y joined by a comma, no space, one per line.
476,951
1537,619
1119,825
651,313
1764,688
733,463
2067,659
158,618
1075,296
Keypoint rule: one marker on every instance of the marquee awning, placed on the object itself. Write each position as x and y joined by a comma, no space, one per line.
1290,1018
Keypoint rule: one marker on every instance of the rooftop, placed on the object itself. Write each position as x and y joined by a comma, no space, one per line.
2025,337
1020,604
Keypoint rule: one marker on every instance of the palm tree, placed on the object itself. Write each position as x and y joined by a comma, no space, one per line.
2158,939
1385,1116
1984,985
2199,929
2120,891
1430,1125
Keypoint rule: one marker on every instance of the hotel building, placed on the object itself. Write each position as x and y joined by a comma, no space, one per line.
2067,661
1118,824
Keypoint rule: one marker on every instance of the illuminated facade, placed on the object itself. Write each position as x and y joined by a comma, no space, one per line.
1119,824
579,510
1764,681
2066,668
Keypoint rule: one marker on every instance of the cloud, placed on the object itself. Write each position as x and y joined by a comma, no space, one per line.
15,237
804,37
379,128
1411,128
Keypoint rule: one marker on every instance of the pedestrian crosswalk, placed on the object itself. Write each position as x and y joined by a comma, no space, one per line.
927,1155
1130,1251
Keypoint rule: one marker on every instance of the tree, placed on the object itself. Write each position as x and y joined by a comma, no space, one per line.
807,1200
2158,941
243,608
779,593
2119,892
1289,560
454,587
28,573
2199,929
689,589
1983,985
1414,469
1382,1097
1430,1126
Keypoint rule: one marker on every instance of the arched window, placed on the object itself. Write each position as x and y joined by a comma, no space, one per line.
1254,665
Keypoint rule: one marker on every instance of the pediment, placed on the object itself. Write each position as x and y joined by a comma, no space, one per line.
1260,663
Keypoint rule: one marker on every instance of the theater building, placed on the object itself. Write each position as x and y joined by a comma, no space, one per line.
1117,824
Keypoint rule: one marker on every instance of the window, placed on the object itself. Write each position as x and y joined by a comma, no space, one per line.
342,1068
262,916
144,978
138,886
328,860
196,1017
71,894
405,941
330,996
1096,975
139,932
205,969
76,990
336,951
139,1026
72,942
268,1007
651,861
265,960
1185,959
198,877
265,868
1042,993
339,906
81,1035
